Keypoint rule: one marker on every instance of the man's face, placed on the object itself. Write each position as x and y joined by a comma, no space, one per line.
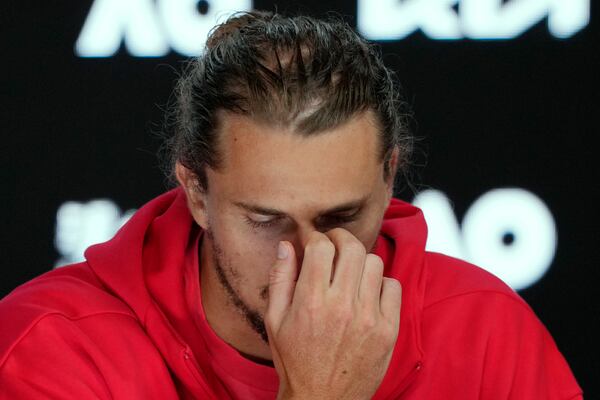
276,185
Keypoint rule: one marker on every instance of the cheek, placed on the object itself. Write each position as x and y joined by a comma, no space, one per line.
250,255
369,230
368,237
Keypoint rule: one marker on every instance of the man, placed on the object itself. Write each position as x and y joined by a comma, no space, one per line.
280,267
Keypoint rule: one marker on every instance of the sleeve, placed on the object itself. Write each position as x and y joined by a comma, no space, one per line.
60,358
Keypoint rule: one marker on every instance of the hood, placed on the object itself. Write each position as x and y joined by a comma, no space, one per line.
151,246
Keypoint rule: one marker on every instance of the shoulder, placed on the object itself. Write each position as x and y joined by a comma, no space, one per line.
73,291
68,294
464,301
450,278
66,323
461,296
491,340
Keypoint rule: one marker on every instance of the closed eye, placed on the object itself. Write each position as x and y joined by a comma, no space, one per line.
261,224
325,221
334,220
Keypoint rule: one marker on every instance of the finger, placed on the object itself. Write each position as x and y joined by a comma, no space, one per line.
282,281
369,292
391,300
350,261
317,264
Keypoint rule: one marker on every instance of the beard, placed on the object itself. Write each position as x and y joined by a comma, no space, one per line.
252,317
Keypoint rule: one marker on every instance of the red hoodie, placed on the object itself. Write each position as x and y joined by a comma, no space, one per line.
128,324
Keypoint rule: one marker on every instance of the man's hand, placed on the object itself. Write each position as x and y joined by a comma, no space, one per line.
331,332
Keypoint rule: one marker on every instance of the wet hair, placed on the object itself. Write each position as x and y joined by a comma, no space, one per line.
296,72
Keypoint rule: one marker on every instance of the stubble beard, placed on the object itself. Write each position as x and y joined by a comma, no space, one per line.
252,317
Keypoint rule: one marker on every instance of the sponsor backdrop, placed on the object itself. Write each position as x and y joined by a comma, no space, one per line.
503,105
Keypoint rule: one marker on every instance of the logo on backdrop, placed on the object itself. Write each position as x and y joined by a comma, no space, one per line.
510,232
472,19
151,28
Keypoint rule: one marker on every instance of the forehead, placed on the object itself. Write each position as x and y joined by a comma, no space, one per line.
274,164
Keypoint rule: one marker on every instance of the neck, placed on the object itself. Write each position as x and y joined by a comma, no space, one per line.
222,315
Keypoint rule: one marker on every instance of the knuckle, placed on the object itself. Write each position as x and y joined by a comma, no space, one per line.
374,261
353,246
315,236
386,334
341,235
319,244
312,307
338,233
369,322
393,285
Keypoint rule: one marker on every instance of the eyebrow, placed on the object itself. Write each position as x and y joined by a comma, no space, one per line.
350,205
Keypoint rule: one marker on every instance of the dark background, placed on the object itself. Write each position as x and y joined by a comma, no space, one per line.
519,113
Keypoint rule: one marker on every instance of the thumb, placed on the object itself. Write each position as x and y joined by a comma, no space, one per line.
282,282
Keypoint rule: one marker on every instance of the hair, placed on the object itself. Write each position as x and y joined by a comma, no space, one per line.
297,72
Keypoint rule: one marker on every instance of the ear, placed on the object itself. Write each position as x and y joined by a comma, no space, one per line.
393,169
196,199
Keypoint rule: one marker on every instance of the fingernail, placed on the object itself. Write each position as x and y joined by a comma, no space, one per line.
282,251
